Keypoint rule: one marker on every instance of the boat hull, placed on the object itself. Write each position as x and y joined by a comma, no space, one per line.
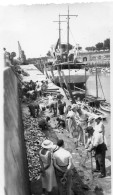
104,108
76,76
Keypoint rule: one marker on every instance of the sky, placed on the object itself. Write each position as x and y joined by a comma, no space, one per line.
33,26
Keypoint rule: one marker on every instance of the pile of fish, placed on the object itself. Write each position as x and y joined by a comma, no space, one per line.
33,138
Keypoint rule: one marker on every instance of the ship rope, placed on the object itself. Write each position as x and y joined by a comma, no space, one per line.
101,86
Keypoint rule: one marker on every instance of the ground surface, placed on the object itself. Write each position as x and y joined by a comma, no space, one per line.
84,183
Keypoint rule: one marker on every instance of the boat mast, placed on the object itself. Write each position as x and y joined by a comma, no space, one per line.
96,83
68,15
59,22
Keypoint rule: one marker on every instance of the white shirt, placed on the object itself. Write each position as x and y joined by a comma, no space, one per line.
70,113
62,157
98,138
99,127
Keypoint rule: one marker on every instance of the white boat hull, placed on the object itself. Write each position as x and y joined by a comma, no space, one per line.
76,75
105,108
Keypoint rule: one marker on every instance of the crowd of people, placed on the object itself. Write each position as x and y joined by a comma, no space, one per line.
30,91
55,160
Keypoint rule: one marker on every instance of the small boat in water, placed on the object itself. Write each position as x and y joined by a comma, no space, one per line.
91,111
105,106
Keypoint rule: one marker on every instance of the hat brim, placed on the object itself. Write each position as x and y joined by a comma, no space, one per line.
47,147
90,119
98,118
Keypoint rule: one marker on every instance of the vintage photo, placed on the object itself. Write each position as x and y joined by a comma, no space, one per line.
56,91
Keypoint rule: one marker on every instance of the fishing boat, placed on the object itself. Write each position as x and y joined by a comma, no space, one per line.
96,102
105,106
68,62
90,110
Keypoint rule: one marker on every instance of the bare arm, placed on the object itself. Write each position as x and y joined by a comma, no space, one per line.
70,163
49,161
55,164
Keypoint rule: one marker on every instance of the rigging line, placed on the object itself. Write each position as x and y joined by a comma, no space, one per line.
101,86
72,36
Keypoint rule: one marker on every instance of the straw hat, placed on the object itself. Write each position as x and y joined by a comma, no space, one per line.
90,118
47,144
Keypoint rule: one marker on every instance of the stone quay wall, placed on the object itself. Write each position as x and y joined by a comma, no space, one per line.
15,159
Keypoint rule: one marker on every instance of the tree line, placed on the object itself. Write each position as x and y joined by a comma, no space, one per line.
100,46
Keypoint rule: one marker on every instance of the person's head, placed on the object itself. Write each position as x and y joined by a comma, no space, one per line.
4,49
47,144
90,119
60,143
79,110
47,118
69,107
74,107
98,119
78,99
57,119
89,130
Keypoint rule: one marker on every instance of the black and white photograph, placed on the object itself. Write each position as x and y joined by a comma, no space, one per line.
57,92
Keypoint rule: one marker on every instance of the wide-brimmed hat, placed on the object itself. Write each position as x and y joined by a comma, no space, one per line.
98,117
90,118
47,144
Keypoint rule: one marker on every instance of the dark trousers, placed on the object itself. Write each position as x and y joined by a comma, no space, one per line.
64,189
100,162
32,110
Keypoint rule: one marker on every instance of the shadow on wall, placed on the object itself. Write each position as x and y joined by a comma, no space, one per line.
16,170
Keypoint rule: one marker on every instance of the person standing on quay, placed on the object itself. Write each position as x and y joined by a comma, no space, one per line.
63,164
61,108
99,146
48,174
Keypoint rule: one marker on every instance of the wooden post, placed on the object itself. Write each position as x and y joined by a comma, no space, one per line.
96,83
60,80
91,168
53,74
71,95
46,71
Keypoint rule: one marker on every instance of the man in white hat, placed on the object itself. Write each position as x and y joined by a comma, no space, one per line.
99,126
91,121
99,146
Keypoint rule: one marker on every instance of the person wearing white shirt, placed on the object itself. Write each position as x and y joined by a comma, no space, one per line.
63,168
98,144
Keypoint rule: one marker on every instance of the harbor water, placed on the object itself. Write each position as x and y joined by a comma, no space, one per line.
105,86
